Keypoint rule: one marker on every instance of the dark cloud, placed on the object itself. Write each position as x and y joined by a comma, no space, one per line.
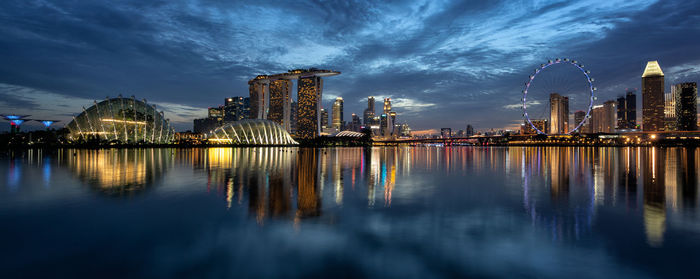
446,63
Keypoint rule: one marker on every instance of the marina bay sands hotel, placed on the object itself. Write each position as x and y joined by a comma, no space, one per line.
271,97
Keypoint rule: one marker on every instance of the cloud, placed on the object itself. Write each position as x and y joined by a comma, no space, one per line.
461,61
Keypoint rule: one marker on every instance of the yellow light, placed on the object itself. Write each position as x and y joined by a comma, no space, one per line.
123,121
653,136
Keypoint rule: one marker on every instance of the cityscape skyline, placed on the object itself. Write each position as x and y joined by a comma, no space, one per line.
426,79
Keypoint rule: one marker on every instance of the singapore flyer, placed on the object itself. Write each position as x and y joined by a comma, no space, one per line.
558,98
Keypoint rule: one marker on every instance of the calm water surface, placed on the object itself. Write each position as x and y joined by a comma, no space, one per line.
351,212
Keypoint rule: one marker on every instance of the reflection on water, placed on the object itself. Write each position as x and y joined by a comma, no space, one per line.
118,172
631,199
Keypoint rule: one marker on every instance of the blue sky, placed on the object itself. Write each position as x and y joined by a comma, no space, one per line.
444,63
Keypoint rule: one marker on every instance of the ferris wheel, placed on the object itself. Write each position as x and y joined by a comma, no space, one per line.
564,76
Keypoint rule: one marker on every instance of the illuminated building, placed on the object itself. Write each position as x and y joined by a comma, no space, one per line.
356,124
280,102
559,114
324,118
309,111
627,110
368,116
259,97
338,114
236,108
540,124
603,118
387,105
384,125
251,132
469,131
579,117
446,132
293,118
652,97
686,99
405,130
123,120
670,118
308,107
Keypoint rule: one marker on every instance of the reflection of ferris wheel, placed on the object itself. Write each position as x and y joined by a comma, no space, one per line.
589,89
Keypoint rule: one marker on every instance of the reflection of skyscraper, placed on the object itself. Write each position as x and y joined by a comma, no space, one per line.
654,195
559,114
652,97
280,106
338,114
309,107
308,194
559,171
686,105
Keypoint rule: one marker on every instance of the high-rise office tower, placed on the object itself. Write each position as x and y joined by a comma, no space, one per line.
293,118
259,95
470,130
652,97
686,105
324,119
621,113
631,109
579,117
368,116
670,118
559,114
309,107
235,108
280,103
603,118
387,105
356,125
384,125
338,114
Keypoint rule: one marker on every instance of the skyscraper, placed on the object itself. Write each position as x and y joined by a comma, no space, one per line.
579,117
236,108
387,105
338,114
356,124
653,97
670,118
368,116
324,118
293,118
470,130
280,102
559,114
603,118
309,107
631,109
686,100
258,98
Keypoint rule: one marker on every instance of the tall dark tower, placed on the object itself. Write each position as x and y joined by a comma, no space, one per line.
686,95
631,109
368,116
653,97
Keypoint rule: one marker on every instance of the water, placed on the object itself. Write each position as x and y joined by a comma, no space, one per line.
351,212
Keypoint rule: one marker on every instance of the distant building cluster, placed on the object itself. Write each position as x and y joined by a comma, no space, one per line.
271,99
661,111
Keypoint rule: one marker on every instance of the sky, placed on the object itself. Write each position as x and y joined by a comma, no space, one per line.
443,63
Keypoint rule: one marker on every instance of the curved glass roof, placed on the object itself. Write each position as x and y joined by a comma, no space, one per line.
123,120
251,132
